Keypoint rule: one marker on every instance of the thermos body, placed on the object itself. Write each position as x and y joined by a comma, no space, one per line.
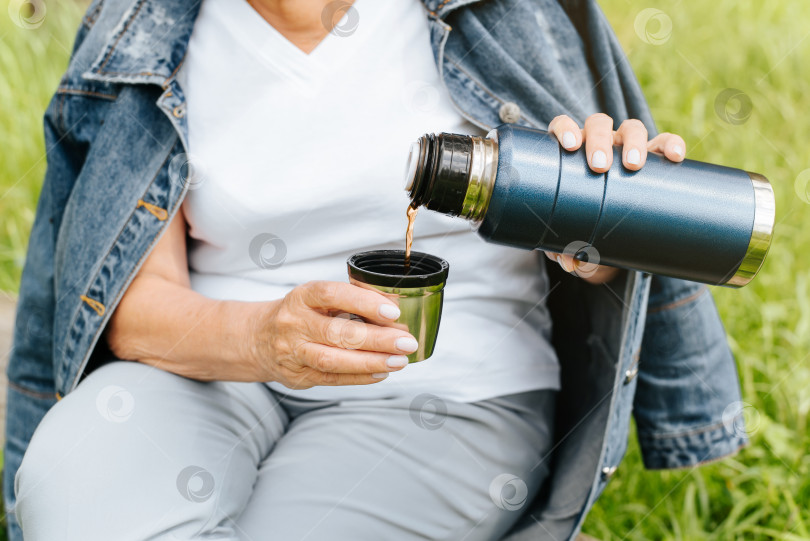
690,220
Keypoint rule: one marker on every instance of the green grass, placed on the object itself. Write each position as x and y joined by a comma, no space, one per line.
760,48
31,63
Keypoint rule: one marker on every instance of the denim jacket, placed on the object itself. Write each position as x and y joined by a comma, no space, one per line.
650,346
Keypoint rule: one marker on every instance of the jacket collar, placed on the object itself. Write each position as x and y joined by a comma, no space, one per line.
440,8
149,42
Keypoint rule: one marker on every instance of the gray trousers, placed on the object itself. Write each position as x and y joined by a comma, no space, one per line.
136,453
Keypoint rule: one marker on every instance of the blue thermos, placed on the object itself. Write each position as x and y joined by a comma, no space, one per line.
692,220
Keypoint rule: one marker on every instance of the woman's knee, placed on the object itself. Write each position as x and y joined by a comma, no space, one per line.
127,435
102,405
41,482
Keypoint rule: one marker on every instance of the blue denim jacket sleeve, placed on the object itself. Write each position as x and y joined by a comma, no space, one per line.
31,383
687,405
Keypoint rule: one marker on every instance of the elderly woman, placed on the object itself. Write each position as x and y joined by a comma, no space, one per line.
210,393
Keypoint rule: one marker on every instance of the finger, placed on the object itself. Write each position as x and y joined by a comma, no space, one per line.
349,298
310,377
599,142
567,131
670,145
342,361
353,334
567,262
632,135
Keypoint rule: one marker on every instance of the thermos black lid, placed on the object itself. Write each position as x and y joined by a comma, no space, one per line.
438,170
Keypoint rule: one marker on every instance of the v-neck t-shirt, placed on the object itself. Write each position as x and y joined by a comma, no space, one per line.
306,153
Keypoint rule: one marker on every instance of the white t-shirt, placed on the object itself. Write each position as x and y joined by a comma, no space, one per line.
311,149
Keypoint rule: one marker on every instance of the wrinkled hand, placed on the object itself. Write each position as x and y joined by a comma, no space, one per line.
599,137
299,344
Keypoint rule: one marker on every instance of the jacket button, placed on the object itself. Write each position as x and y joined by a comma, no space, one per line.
179,111
630,374
509,112
608,471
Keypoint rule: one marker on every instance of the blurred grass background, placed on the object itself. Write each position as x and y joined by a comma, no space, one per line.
685,54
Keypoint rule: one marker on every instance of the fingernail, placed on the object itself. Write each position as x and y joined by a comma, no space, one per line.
407,344
381,375
562,264
599,159
389,311
397,361
569,139
634,156
678,150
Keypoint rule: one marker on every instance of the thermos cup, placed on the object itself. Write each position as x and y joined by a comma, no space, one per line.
691,220
418,291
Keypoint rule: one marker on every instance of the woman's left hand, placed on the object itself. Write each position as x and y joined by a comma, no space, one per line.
599,137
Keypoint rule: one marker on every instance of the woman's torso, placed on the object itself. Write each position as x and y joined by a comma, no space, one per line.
298,164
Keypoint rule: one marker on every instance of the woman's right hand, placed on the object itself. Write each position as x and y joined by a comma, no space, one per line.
297,343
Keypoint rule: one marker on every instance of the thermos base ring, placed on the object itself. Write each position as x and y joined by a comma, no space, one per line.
764,216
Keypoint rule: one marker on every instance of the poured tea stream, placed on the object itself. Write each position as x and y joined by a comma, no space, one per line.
411,212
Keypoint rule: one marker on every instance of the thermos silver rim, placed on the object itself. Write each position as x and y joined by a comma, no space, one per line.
483,170
762,233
